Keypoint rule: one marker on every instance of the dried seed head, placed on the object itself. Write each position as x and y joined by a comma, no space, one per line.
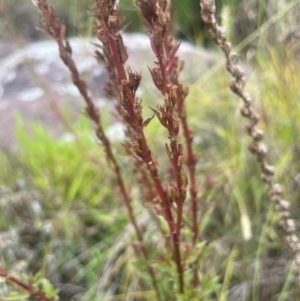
269,170
156,77
275,190
173,143
173,94
137,109
167,100
183,193
208,6
254,117
258,149
163,4
236,88
173,191
180,161
208,9
247,99
289,226
256,134
267,179
147,11
101,35
284,205
245,111
175,126
283,214
122,51
135,147
101,9
162,18
293,243
238,73
152,165
180,148
134,80
157,37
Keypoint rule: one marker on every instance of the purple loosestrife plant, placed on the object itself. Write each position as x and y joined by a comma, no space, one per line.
167,198
174,201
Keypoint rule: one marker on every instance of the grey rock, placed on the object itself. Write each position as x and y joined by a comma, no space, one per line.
35,84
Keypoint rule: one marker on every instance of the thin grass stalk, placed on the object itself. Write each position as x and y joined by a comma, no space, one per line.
57,32
257,147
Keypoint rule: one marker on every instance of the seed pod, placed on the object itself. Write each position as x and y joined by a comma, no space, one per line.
163,4
112,22
122,51
147,11
134,80
156,77
167,100
157,39
180,148
173,143
161,17
176,125
180,161
169,152
100,32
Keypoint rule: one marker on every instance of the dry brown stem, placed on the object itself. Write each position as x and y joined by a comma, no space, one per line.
257,147
29,288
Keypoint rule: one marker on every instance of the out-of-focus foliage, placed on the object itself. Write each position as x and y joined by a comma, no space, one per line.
19,18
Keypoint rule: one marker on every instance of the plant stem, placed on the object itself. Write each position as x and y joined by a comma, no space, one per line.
30,289
56,31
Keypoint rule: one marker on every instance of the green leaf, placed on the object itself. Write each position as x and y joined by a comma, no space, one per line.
16,296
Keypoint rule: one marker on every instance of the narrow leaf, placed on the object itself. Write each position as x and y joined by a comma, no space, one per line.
171,57
147,121
152,44
169,152
157,113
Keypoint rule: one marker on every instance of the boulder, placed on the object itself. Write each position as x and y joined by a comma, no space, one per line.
35,84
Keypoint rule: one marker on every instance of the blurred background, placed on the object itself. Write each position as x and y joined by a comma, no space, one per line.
19,18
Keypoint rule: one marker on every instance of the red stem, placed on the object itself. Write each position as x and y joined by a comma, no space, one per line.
30,289
147,156
147,152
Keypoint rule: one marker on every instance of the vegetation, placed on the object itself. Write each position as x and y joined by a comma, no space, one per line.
183,215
